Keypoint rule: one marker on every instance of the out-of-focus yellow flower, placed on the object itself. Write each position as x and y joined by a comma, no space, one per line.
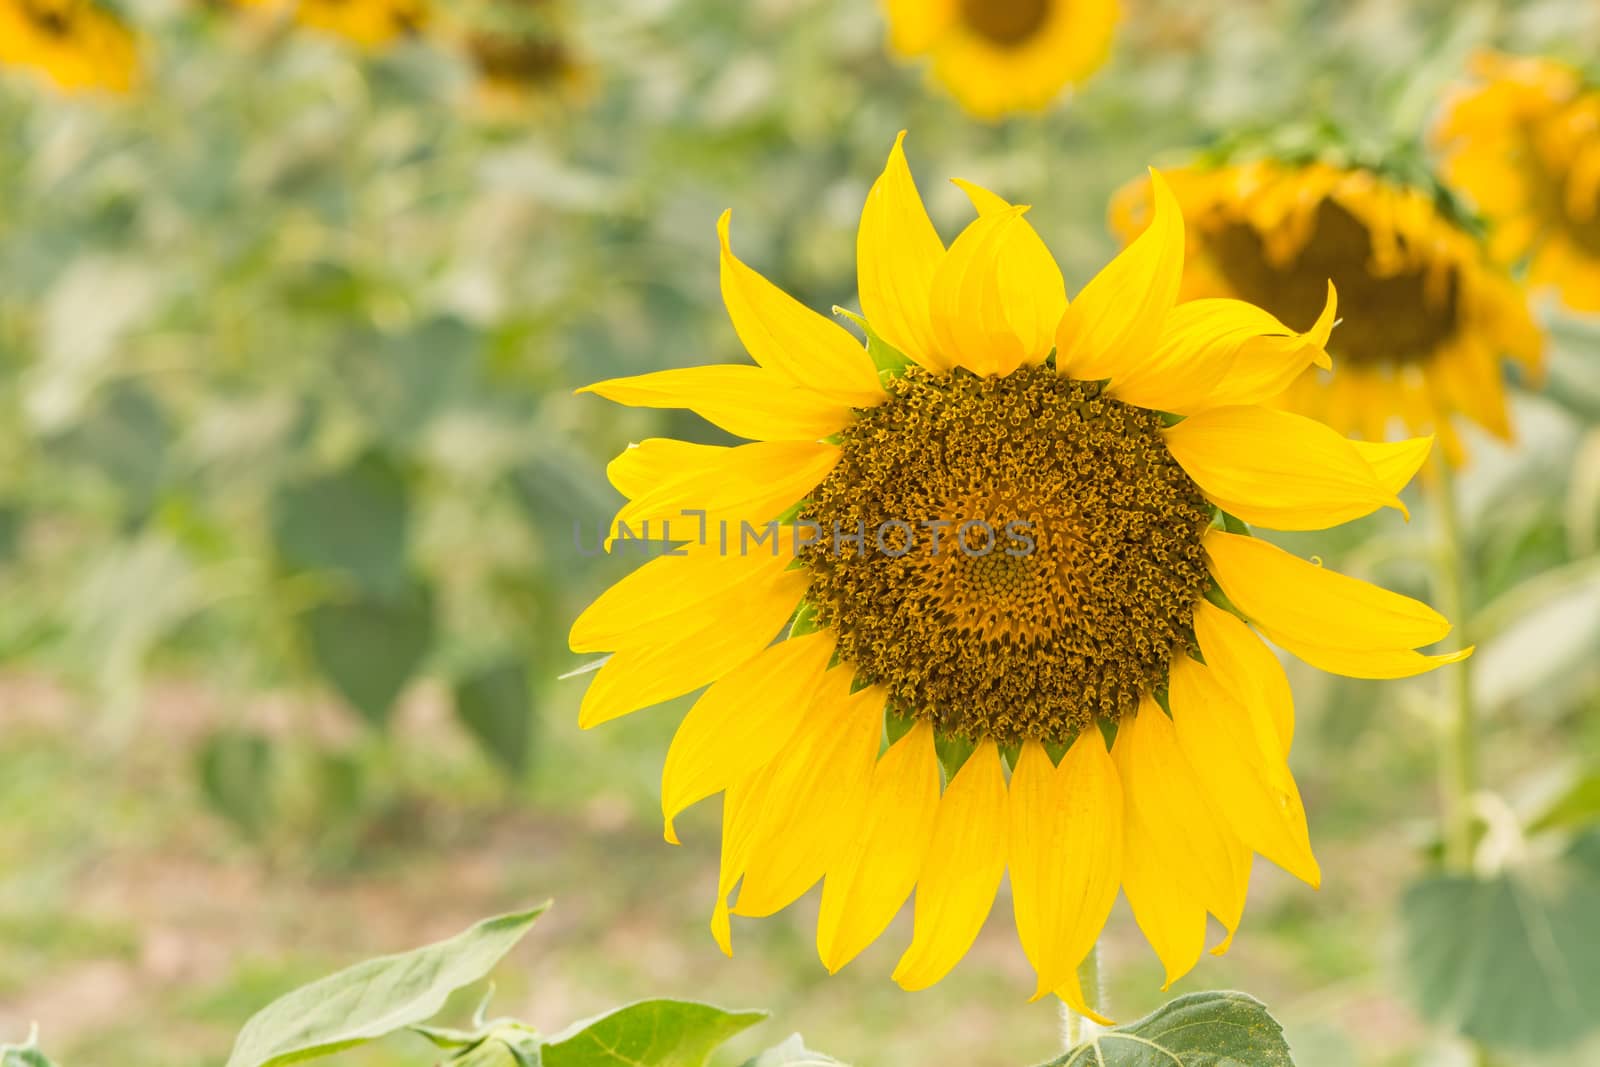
1001,56
1523,142
1436,316
887,485
77,44
368,23
523,53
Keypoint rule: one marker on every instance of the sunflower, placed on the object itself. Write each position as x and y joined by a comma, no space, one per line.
1006,529
1436,316
368,23
523,55
1002,56
1524,144
77,44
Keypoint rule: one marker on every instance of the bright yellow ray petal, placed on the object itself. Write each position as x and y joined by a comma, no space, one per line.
646,464
819,786
1277,469
640,676
1221,352
1370,663
1395,463
1065,855
1252,789
873,876
897,250
1248,669
1290,599
983,201
914,25
739,804
746,401
997,296
792,341
1116,322
672,592
751,483
966,860
742,722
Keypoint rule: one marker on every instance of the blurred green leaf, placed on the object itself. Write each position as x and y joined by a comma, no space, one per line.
377,997
792,1053
651,1033
496,707
24,1055
1509,960
353,521
236,777
1576,807
370,647
1197,1030
124,438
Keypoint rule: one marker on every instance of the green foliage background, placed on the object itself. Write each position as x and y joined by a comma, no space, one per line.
292,467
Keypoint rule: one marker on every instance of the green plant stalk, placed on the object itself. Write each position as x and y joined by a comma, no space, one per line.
1458,765
1073,1025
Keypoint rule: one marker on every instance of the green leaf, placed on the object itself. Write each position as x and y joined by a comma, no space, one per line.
370,647
235,770
354,521
792,1053
1509,961
651,1033
24,1055
1197,1030
496,708
375,998
1578,806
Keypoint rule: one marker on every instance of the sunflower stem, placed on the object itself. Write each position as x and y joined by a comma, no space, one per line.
1458,767
1074,1027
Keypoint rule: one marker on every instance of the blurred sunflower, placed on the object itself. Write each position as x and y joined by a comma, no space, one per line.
993,403
1524,144
78,44
368,23
523,53
1001,56
1436,316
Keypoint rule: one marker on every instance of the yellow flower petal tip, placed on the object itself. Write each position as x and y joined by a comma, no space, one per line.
786,727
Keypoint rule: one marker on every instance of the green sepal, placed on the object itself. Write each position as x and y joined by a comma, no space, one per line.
890,361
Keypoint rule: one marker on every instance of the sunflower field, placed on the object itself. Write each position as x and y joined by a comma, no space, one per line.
664,533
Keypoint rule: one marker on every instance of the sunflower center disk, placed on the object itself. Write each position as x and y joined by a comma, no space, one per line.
1031,554
1007,23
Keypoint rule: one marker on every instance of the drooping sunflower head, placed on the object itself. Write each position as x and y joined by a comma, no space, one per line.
1002,56
1436,317
1523,142
77,44
954,561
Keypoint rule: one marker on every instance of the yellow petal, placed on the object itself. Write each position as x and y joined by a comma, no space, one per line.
1248,669
792,341
742,722
673,592
966,860
1181,859
897,250
872,877
746,401
1115,323
640,676
914,25
643,466
1395,463
997,296
1277,469
751,483
1371,663
819,787
1254,791
1298,603
1221,352
983,201
1065,854
739,804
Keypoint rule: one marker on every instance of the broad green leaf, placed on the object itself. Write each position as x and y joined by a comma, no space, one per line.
495,706
353,521
375,998
1509,961
651,1033
370,647
1197,1030
792,1053
235,770
1578,806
